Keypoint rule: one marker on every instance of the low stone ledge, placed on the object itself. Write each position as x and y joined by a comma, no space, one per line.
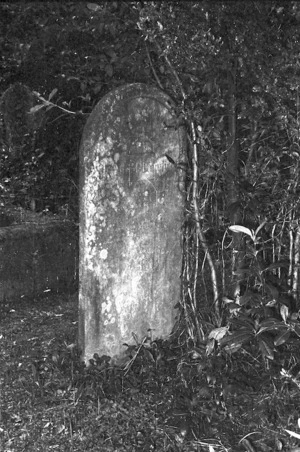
38,257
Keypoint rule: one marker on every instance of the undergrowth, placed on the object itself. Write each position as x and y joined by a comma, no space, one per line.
165,397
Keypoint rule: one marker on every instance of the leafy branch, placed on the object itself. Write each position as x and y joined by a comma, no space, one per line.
47,104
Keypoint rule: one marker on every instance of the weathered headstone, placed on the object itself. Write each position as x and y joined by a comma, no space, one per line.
131,215
17,123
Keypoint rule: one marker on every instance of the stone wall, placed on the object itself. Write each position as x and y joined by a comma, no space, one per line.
35,258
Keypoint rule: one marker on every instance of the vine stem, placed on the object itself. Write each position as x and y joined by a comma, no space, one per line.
47,103
153,69
199,229
296,262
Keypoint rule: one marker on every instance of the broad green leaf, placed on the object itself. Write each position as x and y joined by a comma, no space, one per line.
294,434
296,329
237,228
109,70
260,227
218,333
197,353
271,324
242,273
210,346
273,291
234,307
266,347
284,312
227,300
237,338
232,348
282,338
93,6
36,108
53,92
248,297
275,265
243,321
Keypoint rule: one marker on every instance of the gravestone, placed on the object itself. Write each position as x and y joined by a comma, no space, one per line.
17,124
131,216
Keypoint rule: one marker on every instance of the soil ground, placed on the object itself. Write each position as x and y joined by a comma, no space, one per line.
164,398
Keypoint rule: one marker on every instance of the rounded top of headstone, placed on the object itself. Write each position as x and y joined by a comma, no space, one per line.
132,90
133,129
114,103
15,115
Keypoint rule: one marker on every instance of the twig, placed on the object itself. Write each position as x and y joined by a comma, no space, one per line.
47,103
153,69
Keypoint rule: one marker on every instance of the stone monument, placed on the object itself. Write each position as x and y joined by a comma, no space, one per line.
17,124
132,197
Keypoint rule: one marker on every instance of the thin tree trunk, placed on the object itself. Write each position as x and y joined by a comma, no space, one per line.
296,263
233,195
199,230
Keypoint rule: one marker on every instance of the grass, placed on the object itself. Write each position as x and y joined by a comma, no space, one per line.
168,398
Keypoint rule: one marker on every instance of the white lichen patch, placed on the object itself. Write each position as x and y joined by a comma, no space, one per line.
116,157
110,321
106,306
103,193
103,254
103,148
106,311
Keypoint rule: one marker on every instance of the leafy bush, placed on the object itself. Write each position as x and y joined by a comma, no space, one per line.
264,316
